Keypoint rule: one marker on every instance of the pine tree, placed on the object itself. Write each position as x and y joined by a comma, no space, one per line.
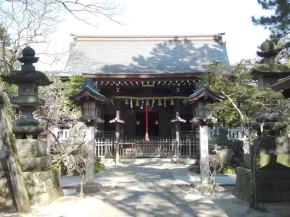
278,23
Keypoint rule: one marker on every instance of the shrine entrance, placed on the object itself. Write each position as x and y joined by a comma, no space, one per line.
153,126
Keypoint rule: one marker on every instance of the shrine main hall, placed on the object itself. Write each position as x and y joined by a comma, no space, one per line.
152,85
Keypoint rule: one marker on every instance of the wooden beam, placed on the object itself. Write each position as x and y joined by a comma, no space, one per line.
145,76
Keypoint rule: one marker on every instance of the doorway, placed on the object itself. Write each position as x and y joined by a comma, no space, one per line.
153,124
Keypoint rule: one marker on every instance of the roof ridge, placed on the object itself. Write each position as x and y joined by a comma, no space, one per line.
140,37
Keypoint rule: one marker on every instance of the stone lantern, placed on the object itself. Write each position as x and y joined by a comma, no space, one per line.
268,71
41,181
91,102
202,117
27,80
272,142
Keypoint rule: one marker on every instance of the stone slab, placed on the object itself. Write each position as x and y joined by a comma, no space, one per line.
35,164
89,188
42,186
272,186
28,148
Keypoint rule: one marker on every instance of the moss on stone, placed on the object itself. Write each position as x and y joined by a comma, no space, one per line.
272,68
264,159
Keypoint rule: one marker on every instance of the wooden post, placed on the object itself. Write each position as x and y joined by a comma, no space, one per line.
117,121
15,173
177,137
117,134
177,121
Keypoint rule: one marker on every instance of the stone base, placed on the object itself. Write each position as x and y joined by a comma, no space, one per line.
42,187
5,194
89,187
272,185
264,159
42,182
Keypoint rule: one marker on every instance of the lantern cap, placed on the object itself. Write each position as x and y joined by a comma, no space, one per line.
27,74
205,94
89,91
268,49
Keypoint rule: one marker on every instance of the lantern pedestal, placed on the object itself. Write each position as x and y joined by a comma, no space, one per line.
204,157
90,186
90,150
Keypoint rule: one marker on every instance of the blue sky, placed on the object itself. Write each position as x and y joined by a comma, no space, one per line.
177,17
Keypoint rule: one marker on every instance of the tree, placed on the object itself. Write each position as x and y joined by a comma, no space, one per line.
58,109
26,22
243,98
244,105
278,23
71,154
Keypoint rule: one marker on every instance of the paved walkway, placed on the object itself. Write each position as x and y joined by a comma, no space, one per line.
148,189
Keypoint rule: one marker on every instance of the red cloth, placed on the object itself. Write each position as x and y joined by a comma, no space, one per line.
147,123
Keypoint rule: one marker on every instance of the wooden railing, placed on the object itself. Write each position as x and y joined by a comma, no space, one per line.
164,148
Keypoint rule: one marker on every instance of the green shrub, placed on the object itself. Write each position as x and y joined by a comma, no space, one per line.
99,166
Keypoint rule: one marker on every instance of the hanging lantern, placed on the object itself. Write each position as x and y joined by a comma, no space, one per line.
171,102
131,103
164,103
137,102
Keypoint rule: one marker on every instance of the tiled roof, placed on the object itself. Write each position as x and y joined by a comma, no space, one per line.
144,54
207,94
